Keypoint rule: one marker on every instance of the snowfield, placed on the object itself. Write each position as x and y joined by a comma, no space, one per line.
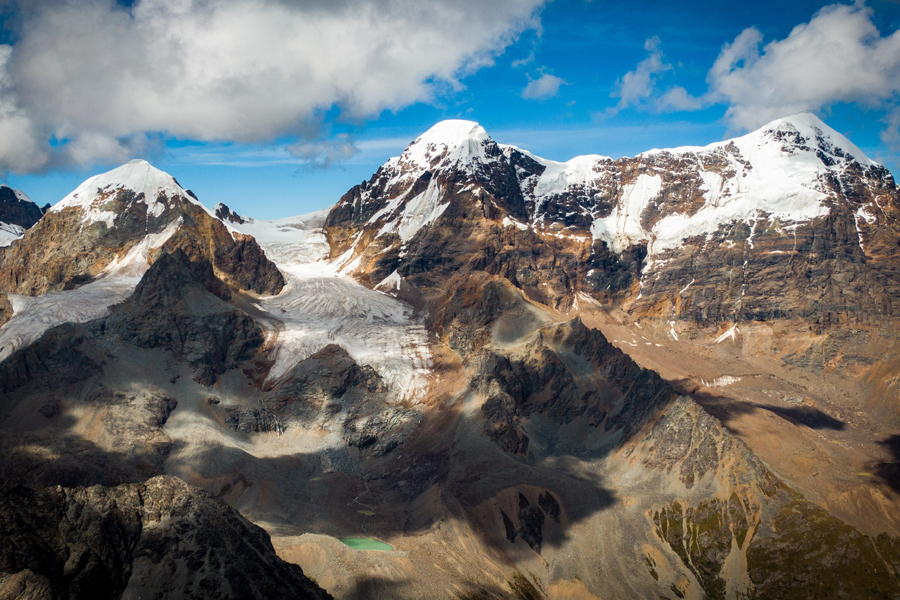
318,308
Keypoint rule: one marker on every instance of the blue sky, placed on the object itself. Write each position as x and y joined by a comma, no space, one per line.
288,123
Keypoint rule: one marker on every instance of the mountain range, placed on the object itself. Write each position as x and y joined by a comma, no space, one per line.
674,375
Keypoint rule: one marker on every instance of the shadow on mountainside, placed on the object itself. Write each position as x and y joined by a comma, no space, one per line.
128,444
806,415
727,409
889,471
515,460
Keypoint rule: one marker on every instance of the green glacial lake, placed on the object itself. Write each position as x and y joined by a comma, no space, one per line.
365,543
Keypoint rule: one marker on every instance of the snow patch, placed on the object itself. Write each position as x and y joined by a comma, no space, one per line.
685,288
422,210
10,233
510,222
622,228
390,283
721,381
558,177
731,333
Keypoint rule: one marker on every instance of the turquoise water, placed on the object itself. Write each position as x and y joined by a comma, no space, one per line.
366,543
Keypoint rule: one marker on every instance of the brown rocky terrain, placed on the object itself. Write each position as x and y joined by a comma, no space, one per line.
610,411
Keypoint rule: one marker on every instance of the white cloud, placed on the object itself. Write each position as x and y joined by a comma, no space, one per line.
545,86
678,98
324,153
523,61
636,86
102,77
891,134
838,57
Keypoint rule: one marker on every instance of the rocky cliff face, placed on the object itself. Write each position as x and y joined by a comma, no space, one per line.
17,209
160,538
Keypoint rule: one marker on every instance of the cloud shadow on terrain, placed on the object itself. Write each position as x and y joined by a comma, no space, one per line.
806,415
450,469
889,472
727,409
56,454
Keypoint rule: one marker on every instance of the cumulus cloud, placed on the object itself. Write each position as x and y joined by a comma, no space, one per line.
545,86
838,57
678,98
104,79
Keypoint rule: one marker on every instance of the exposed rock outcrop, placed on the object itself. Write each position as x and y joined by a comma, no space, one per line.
160,538
18,209
725,232
175,309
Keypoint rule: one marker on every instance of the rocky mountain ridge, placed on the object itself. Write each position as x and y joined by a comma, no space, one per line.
477,356
754,201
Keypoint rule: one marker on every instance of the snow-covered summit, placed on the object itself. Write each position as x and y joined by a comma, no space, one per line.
805,132
776,170
148,183
803,135
448,142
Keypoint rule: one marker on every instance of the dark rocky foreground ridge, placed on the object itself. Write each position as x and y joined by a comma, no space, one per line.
592,426
157,539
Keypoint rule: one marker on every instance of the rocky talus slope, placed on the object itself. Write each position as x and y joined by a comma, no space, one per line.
668,376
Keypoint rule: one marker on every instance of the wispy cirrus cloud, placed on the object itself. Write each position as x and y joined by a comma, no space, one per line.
92,80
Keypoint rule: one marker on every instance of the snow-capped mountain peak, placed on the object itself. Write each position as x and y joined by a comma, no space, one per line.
806,132
149,184
448,142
